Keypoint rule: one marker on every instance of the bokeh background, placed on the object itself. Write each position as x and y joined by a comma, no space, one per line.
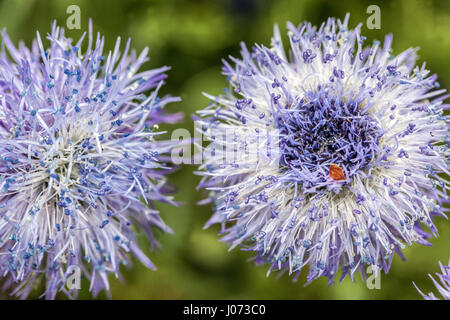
193,36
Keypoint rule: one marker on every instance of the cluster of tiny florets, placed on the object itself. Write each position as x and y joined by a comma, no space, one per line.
350,140
79,162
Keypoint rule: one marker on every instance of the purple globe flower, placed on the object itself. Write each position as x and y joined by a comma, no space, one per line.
443,287
328,155
80,162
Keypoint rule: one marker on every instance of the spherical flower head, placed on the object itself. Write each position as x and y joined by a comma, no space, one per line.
81,163
328,155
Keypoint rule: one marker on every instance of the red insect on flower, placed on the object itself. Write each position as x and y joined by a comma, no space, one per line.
336,172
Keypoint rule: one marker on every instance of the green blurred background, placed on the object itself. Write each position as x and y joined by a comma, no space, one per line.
193,36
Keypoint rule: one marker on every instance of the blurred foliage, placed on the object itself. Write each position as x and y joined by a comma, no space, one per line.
193,36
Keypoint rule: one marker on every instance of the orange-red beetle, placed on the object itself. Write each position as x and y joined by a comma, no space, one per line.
336,172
